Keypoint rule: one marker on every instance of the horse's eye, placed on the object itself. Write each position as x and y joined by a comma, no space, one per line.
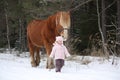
60,30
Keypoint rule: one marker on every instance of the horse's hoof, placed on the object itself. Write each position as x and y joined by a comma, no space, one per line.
46,67
37,63
51,67
33,64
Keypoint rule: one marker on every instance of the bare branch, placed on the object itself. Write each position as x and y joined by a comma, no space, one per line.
108,6
75,8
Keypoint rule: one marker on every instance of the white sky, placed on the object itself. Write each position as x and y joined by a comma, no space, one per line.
19,68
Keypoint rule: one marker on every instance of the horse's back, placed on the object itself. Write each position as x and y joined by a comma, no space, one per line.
34,24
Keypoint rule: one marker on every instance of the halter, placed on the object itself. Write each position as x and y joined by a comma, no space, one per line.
66,28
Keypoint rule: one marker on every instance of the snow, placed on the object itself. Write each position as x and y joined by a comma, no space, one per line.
14,67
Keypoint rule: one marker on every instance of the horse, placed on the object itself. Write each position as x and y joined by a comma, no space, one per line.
43,32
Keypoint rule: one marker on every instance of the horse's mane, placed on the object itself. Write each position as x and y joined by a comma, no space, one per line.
51,21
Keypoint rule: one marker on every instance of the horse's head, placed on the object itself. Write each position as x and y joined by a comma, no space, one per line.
63,23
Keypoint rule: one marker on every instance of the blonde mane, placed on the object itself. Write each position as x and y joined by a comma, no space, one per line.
65,19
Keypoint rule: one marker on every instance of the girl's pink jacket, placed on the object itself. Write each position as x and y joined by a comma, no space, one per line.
59,51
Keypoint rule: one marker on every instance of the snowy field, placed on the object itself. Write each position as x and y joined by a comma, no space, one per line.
13,67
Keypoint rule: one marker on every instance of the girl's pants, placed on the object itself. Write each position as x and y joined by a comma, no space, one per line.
59,64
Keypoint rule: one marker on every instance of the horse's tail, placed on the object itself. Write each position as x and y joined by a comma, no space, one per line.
29,27
28,33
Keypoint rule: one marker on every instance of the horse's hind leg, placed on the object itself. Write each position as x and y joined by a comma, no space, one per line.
37,56
32,50
32,54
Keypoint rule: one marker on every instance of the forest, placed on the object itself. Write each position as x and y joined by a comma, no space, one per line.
94,30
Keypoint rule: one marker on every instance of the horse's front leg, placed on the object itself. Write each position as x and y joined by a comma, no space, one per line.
50,61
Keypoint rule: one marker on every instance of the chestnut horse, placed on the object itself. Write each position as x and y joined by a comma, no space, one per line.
43,32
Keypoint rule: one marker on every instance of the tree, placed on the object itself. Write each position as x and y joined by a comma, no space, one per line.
7,25
103,19
118,28
104,46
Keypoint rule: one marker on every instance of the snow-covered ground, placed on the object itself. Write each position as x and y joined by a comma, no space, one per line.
13,67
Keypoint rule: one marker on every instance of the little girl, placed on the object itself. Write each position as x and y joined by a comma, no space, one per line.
59,52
